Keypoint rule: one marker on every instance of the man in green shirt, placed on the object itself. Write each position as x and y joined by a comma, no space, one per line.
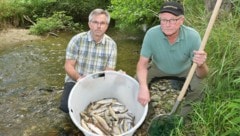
172,48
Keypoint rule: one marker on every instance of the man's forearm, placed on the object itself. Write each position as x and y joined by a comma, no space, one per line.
142,75
202,71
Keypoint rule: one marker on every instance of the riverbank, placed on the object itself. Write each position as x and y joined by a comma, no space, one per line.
12,36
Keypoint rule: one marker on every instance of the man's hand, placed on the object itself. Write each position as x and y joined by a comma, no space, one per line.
200,57
143,95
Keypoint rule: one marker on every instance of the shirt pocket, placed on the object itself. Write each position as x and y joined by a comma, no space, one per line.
82,55
103,59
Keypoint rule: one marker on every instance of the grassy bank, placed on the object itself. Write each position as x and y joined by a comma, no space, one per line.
218,114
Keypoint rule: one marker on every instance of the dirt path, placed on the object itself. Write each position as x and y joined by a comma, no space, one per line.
13,36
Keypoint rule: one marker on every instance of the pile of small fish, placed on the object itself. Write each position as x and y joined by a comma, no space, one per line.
163,96
107,117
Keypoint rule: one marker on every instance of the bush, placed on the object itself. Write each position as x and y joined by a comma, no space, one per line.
58,21
11,14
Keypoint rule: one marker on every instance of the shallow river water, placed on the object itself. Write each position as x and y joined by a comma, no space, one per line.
31,84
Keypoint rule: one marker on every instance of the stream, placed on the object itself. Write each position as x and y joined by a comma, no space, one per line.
31,84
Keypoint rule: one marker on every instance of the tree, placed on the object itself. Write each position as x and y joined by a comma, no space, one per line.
80,9
226,5
139,13
134,12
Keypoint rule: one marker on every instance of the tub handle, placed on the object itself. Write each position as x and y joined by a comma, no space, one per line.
98,75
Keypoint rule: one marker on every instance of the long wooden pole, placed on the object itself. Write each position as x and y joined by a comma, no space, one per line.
202,47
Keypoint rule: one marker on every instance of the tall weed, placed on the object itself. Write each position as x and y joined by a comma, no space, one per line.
218,114
217,117
223,51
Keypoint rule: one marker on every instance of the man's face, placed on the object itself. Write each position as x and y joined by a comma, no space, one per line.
170,23
98,25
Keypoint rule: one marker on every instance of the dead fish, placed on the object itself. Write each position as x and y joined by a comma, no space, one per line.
111,111
107,101
97,124
102,122
125,116
107,117
119,108
84,125
84,116
116,129
94,106
127,124
98,111
95,129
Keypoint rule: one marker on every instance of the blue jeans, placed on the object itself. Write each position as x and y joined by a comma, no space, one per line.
65,95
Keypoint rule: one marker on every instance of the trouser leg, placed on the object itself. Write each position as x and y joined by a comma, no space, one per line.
193,95
153,72
65,95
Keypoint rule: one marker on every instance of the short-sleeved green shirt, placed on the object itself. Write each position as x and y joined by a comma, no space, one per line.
171,59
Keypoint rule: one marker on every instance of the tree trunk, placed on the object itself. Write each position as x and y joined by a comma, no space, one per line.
210,4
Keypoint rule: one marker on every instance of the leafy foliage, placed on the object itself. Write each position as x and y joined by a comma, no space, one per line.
38,8
134,12
80,9
144,13
236,4
12,11
11,14
59,21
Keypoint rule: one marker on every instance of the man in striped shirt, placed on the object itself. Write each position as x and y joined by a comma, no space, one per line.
89,52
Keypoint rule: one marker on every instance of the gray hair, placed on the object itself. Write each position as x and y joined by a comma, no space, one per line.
99,12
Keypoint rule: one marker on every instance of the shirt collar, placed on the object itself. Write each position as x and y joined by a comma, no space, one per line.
181,35
91,39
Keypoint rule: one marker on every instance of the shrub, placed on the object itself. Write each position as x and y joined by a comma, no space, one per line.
58,21
11,14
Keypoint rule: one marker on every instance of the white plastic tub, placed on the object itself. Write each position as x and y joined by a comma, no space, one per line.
108,84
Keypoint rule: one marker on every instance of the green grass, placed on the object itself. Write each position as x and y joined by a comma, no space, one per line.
219,113
217,116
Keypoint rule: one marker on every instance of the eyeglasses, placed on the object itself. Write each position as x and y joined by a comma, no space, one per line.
170,21
99,23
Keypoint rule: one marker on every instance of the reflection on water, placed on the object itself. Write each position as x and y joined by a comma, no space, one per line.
31,81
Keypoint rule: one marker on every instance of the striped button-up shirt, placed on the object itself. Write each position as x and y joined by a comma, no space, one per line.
91,57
